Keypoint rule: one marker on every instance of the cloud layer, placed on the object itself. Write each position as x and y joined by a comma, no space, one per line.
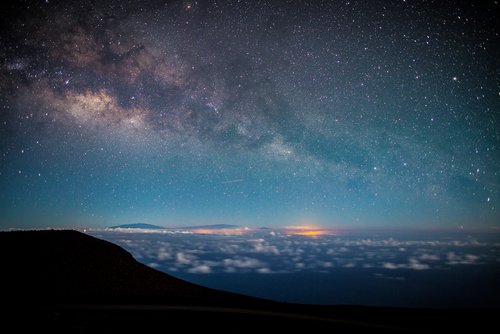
274,252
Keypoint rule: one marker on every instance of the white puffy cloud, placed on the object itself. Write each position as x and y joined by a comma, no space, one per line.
262,246
454,259
414,264
326,264
229,248
185,259
470,259
246,262
388,265
429,257
163,254
200,269
154,265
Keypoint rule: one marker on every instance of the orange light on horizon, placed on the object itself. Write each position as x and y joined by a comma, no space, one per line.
313,233
219,231
306,230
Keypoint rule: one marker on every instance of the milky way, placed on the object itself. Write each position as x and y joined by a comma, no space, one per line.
328,113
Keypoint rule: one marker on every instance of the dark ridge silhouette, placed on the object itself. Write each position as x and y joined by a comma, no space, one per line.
67,266
67,280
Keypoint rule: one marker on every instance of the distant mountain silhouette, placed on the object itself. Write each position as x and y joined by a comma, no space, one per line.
155,227
139,225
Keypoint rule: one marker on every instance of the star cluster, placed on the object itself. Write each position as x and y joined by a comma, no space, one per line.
328,113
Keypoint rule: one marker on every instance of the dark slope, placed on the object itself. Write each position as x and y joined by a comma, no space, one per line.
67,280
69,266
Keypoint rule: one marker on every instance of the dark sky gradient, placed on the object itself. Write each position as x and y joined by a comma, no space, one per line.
335,114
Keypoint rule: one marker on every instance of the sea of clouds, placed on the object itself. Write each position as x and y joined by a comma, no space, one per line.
208,258
274,252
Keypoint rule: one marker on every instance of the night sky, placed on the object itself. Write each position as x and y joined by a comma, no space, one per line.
334,114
